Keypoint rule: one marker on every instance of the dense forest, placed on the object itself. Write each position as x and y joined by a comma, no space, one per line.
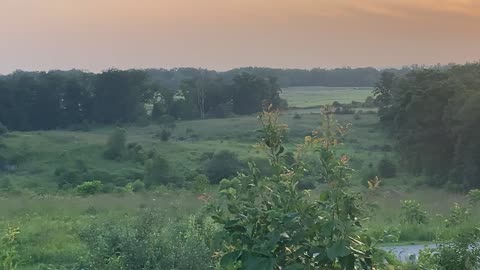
56,99
434,116
352,77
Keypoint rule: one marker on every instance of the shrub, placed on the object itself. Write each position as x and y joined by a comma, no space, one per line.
297,116
306,184
3,129
357,116
460,253
115,146
200,183
223,164
149,243
9,244
474,196
458,215
165,135
157,171
89,188
266,223
386,168
412,212
135,152
137,186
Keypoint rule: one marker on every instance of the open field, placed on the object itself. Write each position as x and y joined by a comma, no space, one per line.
46,214
311,96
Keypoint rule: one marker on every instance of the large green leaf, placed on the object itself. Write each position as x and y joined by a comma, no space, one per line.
230,258
338,249
255,261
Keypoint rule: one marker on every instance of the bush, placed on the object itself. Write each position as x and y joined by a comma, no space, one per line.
357,116
115,146
149,243
165,135
137,186
223,164
297,116
306,184
3,129
412,213
386,168
200,183
458,215
474,196
135,153
460,253
89,188
157,171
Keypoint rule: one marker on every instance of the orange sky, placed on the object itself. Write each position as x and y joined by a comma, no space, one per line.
222,34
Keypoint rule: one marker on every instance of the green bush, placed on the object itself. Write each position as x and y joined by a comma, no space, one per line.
474,196
458,215
137,186
149,243
135,152
267,223
89,188
223,164
115,146
412,212
200,183
460,253
297,116
165,135
386,168
157,171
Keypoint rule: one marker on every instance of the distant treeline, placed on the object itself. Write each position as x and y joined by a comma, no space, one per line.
58,99
435,116
341,77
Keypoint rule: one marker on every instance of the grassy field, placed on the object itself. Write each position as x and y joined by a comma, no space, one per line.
46,214
310,96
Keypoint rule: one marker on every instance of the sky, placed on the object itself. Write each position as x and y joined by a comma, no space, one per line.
222,34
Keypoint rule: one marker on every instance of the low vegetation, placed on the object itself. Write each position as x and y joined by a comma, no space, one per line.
291,189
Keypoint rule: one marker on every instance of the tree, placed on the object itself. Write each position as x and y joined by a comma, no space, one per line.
116,144
120,96
252,93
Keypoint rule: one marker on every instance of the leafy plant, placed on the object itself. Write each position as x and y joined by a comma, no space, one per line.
458,215
269,224
200,183
474,196
137,186
89,188
460,253
9,258
412,212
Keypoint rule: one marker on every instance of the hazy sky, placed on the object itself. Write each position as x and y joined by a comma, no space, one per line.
221,34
